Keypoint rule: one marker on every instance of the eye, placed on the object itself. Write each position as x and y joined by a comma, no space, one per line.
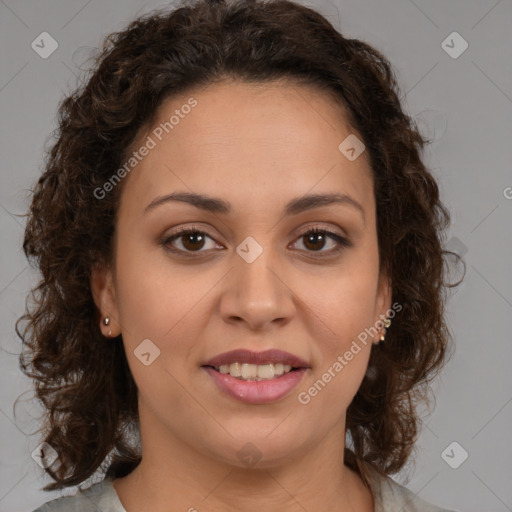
192,240
316,239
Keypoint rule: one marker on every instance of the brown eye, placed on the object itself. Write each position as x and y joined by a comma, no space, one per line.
191,240
315,240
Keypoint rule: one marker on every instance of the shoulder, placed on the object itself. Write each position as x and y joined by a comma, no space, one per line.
390,496
100,497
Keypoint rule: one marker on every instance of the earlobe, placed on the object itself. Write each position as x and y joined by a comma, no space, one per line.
103,292
383,303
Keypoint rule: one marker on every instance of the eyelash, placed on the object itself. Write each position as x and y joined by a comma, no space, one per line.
343,243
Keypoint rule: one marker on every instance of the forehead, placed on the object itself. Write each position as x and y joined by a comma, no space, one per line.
259,141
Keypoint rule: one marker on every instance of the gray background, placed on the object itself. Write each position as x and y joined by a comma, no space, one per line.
464,103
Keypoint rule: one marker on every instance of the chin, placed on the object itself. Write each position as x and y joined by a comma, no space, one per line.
255,448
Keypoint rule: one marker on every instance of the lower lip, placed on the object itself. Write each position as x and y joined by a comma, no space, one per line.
256,392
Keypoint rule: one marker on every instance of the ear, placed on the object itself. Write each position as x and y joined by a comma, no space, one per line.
382,305
103,292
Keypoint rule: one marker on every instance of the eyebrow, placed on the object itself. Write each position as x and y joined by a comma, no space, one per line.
220,206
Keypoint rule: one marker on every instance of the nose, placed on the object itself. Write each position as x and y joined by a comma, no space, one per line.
256,294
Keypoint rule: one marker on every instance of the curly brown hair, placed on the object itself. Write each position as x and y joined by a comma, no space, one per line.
84,384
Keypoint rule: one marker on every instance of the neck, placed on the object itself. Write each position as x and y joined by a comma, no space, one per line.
173,473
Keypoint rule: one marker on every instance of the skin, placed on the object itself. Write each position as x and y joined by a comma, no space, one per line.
256,146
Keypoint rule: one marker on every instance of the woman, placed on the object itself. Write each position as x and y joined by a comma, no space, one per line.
242,273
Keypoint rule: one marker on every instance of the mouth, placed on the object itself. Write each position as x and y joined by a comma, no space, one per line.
254,372
255,390
247,365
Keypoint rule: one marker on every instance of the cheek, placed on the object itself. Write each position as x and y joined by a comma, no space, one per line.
346,302
342,348
150,310
344,309
166,305
153,295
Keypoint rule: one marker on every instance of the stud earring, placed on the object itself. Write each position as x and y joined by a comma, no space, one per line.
387,323
106,321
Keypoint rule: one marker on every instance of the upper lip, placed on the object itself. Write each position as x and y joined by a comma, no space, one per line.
249,357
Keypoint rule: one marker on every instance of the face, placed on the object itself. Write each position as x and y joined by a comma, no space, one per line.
250,275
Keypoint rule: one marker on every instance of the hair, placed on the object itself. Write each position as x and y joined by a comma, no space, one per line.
82,380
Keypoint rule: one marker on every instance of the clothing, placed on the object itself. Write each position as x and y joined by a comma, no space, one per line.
388,495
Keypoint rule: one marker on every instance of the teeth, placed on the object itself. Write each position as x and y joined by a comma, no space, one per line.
249,371
246,371
265,371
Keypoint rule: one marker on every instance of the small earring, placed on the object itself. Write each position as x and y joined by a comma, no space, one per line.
387,323
106,321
